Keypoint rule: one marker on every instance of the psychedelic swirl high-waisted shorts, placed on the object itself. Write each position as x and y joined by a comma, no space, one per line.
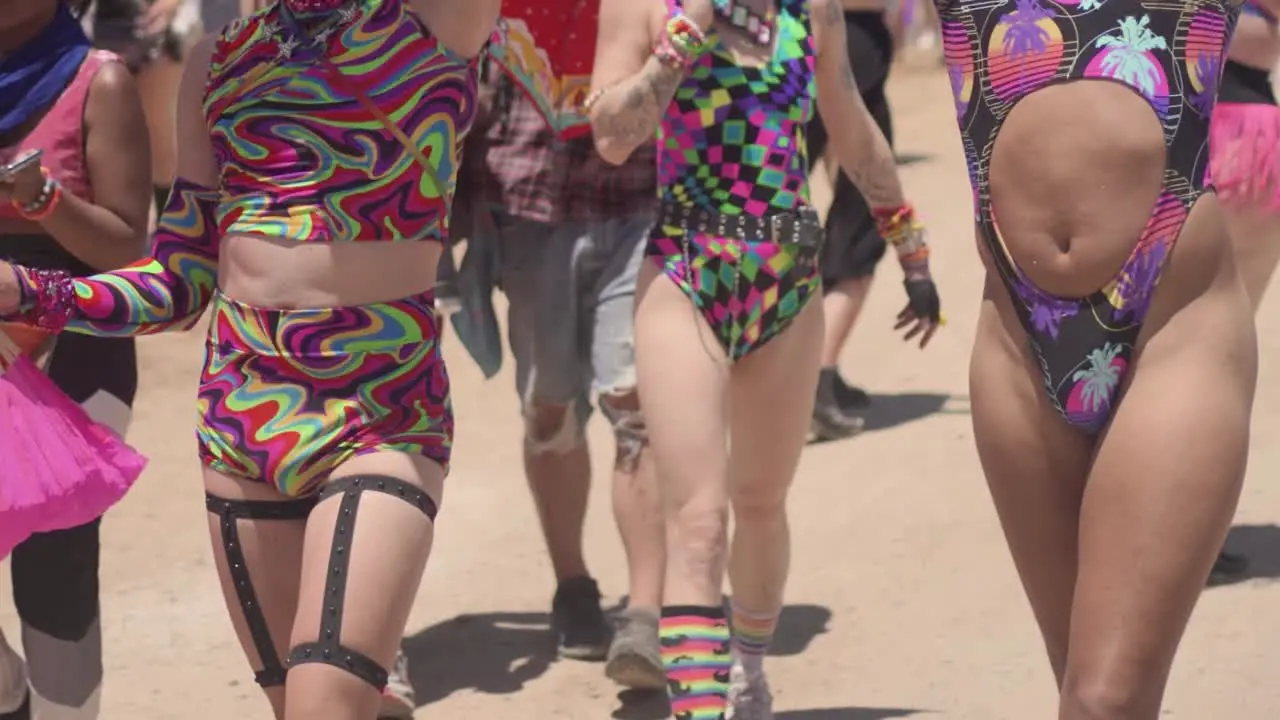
286,396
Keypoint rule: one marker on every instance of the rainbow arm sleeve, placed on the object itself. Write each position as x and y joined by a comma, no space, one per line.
167,291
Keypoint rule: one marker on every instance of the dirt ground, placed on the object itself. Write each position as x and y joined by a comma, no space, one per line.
902,600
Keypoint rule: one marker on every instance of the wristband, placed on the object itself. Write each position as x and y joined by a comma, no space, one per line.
45,203
898,225
53,296
682,42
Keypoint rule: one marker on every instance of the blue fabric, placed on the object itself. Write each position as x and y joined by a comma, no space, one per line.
32,78
477,323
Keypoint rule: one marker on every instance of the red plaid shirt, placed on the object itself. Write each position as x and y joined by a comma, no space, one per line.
519,166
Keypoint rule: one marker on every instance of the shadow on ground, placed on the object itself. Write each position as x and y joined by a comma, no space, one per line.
1260,546
905,159
491,653
847,713
891,410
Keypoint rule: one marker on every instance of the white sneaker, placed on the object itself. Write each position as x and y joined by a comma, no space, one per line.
749,696
13,678
397,698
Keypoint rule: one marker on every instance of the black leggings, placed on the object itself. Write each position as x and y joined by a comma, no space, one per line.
1245,84
853,246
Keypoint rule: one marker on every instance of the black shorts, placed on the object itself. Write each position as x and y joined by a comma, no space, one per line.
1244,84
854,247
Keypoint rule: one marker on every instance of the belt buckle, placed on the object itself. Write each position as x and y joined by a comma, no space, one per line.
808,227
776,228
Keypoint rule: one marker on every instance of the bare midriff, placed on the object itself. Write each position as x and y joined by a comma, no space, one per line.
287,274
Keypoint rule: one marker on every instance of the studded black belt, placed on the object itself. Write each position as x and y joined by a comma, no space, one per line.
797,227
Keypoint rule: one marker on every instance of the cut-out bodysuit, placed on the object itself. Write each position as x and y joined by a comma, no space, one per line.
1171,54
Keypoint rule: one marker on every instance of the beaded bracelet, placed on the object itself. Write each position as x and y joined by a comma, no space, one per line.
686,37
45,203
681,44
897,225
54,297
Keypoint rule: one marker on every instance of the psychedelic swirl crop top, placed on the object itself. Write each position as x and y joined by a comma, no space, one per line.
732,140
299,155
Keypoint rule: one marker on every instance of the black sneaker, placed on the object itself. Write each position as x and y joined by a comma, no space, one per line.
1229,567
849,397
577,621
832,422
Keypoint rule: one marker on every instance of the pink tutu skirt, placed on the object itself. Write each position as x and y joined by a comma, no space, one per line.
58,468
1244,154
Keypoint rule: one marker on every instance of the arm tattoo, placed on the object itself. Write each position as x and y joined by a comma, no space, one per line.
877,175
631,116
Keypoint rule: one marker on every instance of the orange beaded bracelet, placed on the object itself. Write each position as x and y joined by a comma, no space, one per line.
45,203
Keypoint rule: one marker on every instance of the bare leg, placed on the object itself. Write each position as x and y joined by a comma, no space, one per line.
841,306
1255,233
637,509
1158,504
1035,467
635,659
560,481
683,383
270,552
772,400
378,534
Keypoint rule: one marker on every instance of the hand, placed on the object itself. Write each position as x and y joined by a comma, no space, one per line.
158,17
701,12
923,313
10,290
22,187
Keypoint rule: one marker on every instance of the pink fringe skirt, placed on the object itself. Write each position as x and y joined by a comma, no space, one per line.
1244,154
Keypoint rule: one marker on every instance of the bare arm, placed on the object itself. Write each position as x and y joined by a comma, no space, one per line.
632,87
166,291
463,26
856,141
110,231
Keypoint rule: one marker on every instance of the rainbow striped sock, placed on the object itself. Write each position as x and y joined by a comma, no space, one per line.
696,657
752,634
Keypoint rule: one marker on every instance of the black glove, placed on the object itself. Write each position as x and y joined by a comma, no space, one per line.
922,299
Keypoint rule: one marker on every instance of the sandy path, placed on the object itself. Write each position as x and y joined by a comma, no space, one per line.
919,614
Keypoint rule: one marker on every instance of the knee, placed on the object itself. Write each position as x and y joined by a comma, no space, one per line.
629,431
700,533
552,428
1109,696
760,503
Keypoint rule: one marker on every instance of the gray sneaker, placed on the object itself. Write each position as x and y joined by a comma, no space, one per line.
749,696
397,697
635,657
